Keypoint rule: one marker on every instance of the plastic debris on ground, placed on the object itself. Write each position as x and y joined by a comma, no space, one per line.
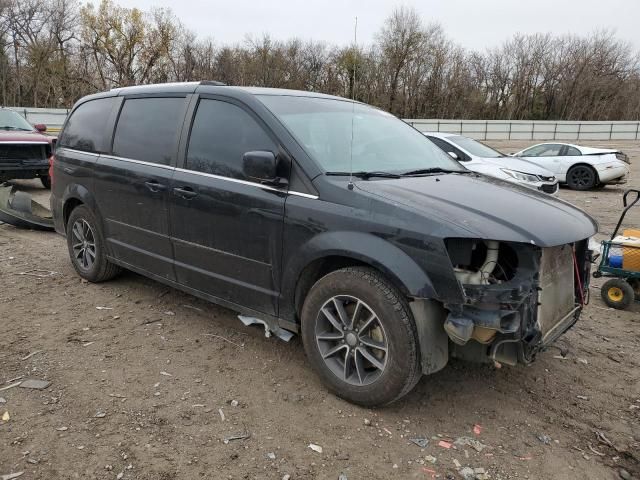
471,442
35,384
11,476
420,441
278,332
236,436
315,448
546,439
444,444
18,209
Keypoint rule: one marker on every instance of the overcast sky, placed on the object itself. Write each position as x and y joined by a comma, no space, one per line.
473,24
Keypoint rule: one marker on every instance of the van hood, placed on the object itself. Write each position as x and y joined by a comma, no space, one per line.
476,206
518,164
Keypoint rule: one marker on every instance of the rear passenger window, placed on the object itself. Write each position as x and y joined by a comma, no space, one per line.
86,127
221,134
147,129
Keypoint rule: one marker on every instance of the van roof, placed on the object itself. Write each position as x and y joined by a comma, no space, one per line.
214,86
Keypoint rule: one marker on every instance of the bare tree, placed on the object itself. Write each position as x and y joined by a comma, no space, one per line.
54,51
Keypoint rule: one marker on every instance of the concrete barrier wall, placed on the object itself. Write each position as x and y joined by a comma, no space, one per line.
53,118
532,130
478,129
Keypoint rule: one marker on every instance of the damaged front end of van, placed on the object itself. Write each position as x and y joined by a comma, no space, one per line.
518,298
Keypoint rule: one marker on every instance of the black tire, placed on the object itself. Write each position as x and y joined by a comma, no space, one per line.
617,293
395,328
582,177
99,269
46,181
635,284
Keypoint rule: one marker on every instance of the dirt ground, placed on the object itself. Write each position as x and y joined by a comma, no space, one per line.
140,373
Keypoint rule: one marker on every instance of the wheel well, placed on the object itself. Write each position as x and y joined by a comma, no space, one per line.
69,207
588,166
321,267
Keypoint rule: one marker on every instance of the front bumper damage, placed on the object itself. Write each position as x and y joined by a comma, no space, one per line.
536,295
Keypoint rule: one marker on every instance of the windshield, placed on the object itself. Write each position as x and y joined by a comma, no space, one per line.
381,142
10,120
474,147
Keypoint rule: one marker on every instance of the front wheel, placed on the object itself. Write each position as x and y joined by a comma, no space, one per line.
617,293
360,337
581,177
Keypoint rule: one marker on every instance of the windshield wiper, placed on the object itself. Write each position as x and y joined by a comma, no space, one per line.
366,175
425,171
11,127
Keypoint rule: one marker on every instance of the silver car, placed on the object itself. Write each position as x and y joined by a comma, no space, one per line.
480,158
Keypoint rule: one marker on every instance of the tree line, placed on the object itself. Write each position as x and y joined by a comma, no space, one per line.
55,51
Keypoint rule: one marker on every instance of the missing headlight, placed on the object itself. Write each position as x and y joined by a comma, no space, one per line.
482,262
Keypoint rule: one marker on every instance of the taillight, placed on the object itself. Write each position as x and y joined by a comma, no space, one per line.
623,157
52,159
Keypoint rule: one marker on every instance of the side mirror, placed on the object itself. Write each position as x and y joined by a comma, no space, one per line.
260,165
454,155
41,127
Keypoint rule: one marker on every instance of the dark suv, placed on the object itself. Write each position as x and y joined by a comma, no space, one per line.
321,216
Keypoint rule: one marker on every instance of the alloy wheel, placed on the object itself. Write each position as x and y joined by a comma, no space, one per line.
582,177
351,340
83,244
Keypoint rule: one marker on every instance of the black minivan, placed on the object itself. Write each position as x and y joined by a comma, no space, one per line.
321,216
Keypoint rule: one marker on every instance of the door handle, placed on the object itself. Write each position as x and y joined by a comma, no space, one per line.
69,170
185,192
155,186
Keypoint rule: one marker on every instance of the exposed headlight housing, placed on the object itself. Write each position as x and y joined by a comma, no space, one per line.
521,176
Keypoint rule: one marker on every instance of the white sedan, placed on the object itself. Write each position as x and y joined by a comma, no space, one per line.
480,158
581,168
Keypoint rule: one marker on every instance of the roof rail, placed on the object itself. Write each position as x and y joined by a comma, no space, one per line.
213,82
171,84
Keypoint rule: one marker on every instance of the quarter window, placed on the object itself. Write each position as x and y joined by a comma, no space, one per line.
573,152
147,129
221,134
86,128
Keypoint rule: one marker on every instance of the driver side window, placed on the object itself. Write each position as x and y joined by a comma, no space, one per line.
220,135
447,147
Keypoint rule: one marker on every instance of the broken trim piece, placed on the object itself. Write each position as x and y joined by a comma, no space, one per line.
281,333
20,210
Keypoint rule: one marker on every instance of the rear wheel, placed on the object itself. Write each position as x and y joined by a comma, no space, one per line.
360,337
46,181
635,284
87,247
617,293
581,177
